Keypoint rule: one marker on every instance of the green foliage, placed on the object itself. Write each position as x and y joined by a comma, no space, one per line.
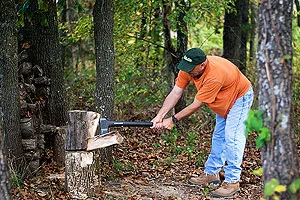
172,136
16,180
82,30
23,13
294,186
121,166
255,123
273,186
259,171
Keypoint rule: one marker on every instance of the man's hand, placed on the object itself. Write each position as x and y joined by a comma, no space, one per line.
168,123
157,122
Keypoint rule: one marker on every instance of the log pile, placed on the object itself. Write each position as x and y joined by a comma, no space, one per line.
34,91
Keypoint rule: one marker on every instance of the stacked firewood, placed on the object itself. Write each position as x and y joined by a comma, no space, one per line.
34,91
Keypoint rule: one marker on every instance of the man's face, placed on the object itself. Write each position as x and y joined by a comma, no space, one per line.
198,70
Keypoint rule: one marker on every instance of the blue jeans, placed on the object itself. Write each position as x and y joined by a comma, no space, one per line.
229,139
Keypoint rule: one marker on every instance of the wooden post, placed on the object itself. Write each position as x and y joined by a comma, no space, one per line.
82,176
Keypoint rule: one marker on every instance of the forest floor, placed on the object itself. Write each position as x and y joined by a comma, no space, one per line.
150,165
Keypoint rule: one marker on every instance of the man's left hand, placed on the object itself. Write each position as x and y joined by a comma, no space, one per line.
168,123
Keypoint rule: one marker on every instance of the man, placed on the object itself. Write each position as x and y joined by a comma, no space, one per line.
227,92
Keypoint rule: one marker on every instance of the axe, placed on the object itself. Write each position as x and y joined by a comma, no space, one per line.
106,124
105,138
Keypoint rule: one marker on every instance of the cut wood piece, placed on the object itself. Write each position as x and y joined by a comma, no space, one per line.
82,125
99,141
82,172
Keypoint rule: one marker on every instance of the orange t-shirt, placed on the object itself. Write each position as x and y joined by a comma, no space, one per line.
219,86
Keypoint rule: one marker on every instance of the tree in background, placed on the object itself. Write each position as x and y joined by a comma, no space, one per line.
41,32
105,56
235,33
279,155
4,175
174,53
9,82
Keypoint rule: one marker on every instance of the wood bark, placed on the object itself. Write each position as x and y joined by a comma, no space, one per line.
82,174
252,32
4,175
280,159
236,33
103,14
82,178
44,51
9,74
173,55
104,48
82,125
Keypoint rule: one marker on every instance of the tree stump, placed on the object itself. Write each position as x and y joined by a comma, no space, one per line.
82,168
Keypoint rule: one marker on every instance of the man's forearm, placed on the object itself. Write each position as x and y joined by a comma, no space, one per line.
170,101
187,111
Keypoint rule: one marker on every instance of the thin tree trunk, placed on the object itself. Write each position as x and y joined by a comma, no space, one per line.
9,86
182,42
173,56
104,49
280,159
298,11
232,34
253,26
244,9
4,175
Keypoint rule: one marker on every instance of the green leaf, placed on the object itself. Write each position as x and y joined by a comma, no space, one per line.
262,137
280,188
294,186
270,187
44,21
259,171
266,133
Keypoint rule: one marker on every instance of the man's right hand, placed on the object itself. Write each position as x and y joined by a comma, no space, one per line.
157,122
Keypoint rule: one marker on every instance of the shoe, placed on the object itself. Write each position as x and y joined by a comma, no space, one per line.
226,190
205,178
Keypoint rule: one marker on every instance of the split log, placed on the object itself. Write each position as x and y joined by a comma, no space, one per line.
82,168
99,141
22,56
42,80
37,70
26,68
82,125
47,128
27,130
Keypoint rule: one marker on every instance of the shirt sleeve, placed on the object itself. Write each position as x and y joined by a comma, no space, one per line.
208,92
183,79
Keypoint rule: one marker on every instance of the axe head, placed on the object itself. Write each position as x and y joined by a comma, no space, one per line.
104,125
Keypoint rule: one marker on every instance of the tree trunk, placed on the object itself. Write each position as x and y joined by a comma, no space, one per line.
236,34
182,41
42,34
244,9
298,12
173,56
4,175
10,90
104,50
252,32
280,159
